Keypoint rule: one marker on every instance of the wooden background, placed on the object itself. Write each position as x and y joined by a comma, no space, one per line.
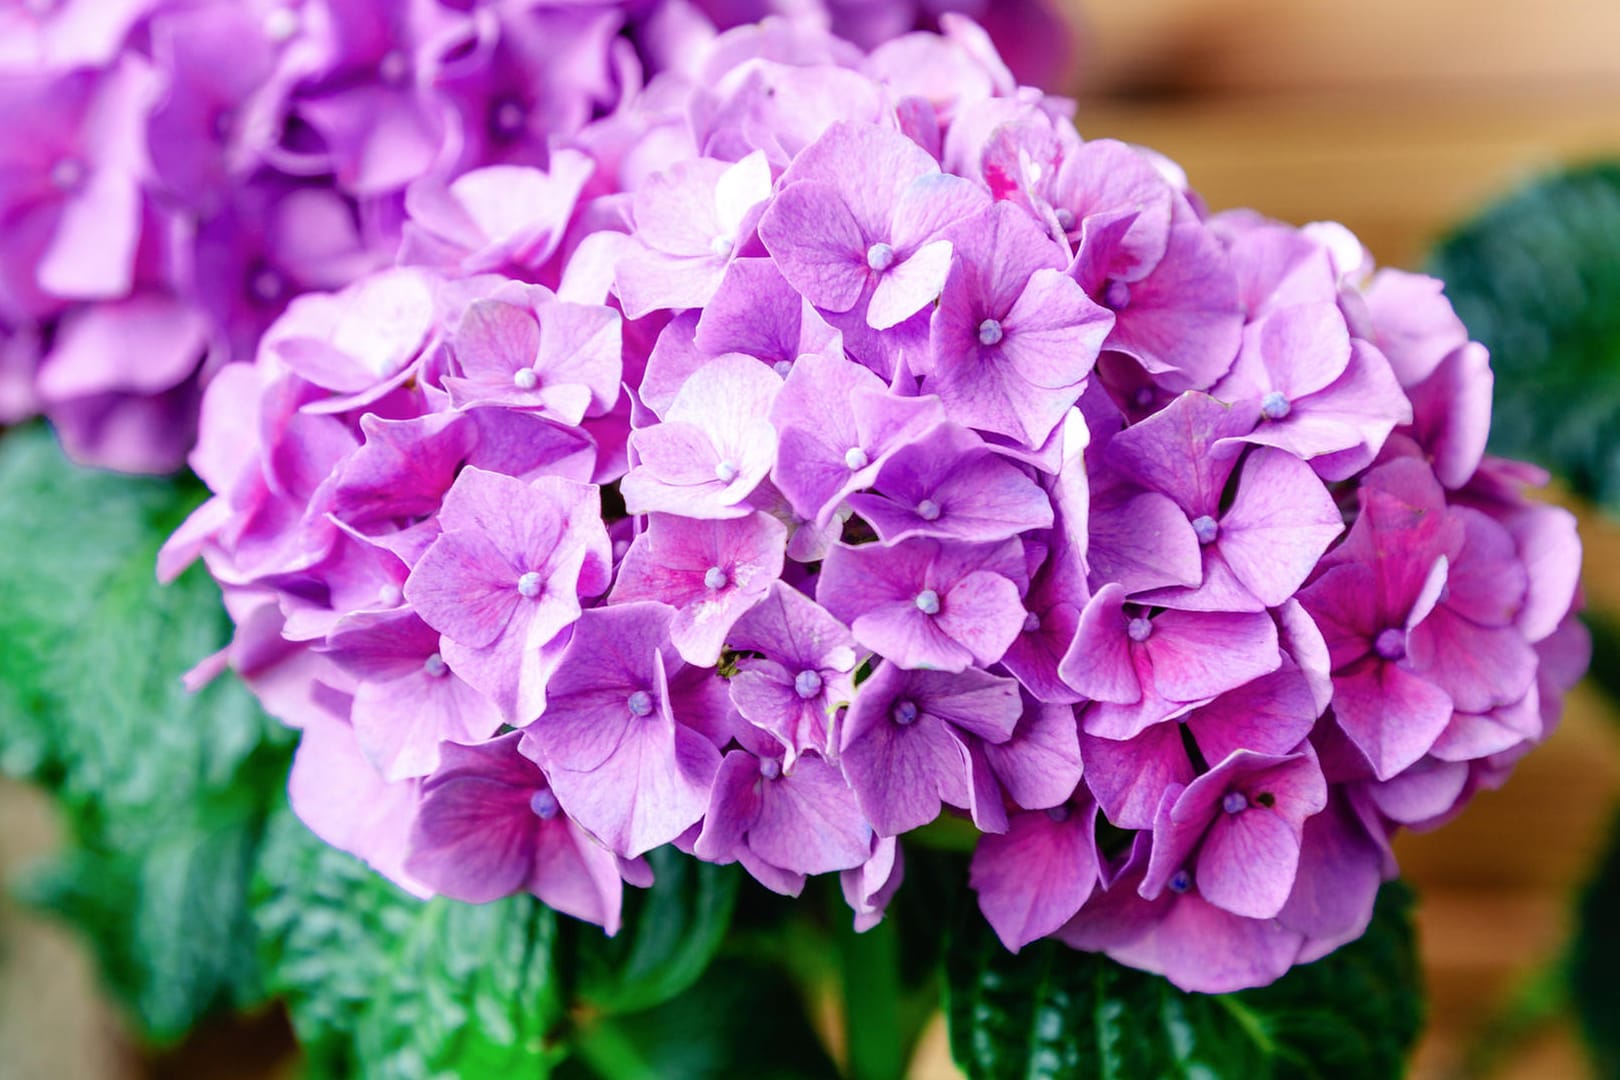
1396,117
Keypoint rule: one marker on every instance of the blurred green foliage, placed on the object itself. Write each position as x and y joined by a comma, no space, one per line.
164,793
1536,277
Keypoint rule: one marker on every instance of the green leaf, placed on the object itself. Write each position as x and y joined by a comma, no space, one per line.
1536,278
1051,1011
1595,959
670,934
382,984
163,792
741,1019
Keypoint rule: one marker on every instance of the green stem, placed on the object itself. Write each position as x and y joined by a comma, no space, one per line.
871,971
612,1054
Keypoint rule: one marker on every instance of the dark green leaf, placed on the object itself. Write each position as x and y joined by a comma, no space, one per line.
1536,278
381,984
163,791
741,1019
1595,959
1050,1011
670,933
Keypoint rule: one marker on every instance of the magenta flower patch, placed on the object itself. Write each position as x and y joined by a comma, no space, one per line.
810,443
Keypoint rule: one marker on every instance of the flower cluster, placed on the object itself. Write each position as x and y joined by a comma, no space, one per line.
177,171
825,440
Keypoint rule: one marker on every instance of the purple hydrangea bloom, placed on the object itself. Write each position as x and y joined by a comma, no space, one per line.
714,446
927,604
622,736
783,823
504,579
408,700
802,675
1140,669
524,349
951,486
839,424
912,742
490,825
873,237
1013,338
690,222
1258,548
711,572
796,445
1238,827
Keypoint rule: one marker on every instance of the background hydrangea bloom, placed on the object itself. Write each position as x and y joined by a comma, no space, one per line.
1094,510
178,171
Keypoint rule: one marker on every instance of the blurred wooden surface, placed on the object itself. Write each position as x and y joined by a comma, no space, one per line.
1396,117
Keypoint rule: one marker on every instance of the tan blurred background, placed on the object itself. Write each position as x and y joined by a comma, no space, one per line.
1396,117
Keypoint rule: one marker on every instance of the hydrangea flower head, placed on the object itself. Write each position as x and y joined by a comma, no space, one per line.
824,441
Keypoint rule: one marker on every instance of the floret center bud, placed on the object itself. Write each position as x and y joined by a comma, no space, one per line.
267,285
510,118
880,257
1180,881
639,703
1235,802
67,174
1117,296
1390,643
856,458
525,378
1059,814
1274,406
390,595
1032,622
529,585
928,602
721,246
906,712
544,804
928,510
435,667
726,472
715,579
807,684
393,67
280,24
782,367
1139,629
990,333
770,768
1206,529
1065,218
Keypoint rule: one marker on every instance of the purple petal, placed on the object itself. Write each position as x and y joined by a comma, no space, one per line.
1391,715
1040,765
817,244
1035,876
